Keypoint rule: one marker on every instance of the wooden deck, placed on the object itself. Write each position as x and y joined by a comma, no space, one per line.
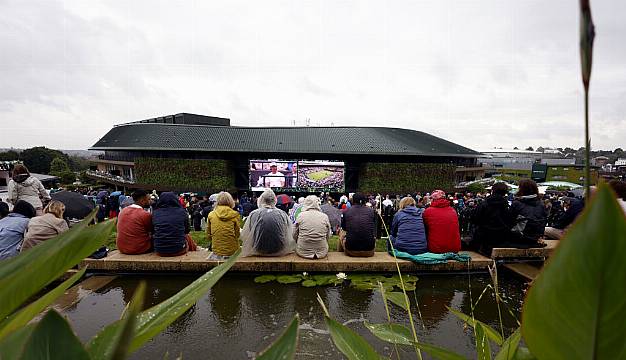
196,261
534,253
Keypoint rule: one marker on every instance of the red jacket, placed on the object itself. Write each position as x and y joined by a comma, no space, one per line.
442,227
134,225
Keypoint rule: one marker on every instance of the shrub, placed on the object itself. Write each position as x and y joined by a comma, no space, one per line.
185,175
403,178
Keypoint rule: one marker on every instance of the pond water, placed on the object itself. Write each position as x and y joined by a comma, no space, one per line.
239,318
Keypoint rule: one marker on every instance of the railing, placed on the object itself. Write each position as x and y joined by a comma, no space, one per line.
107,176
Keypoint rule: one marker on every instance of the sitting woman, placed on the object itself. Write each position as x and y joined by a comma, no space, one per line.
442,225
267,231
13,227
312,230
170,224
47,226
529,217
222,228
408,233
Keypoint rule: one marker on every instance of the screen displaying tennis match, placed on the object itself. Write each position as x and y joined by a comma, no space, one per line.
297,175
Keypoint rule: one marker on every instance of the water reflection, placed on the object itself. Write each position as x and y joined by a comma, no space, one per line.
225,304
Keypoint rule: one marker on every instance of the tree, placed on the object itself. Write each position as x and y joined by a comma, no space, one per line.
530,148
9,155
516,148
541,149
58,166
618,151
38,159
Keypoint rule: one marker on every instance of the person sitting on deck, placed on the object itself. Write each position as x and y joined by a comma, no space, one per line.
442,225
4,209
170,224
334,214
267,231
573,207
46,226
134,226
13,227
620,189
407,231
358,225
222,228
492,220
312,230
529,216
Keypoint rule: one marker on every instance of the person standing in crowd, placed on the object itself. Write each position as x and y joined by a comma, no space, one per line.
572,207
529,216
492,220
171,228
134,226
312,230
23,186
223,228
358,224
13,227
620,189
442,225
334,214
45,227
407,232
267,231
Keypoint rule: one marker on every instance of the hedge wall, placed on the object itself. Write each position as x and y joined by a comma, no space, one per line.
185,175
404,178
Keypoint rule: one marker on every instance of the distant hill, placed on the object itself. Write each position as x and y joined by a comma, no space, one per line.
80,153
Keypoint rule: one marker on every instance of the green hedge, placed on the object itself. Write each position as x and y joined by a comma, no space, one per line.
185,175
404,178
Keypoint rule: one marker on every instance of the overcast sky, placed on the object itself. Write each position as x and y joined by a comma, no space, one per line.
478,73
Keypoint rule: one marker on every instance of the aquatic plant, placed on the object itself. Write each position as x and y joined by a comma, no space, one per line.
27,274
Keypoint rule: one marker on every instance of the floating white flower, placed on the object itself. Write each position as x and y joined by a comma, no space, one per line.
341,276
305,273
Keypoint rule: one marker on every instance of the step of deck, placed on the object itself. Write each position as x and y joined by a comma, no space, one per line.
196,261
533,253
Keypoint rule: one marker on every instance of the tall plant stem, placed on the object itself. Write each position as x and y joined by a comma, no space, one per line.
587,149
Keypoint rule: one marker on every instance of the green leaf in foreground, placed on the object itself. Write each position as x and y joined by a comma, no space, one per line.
510,346
393,333
351,344
285,347
483,350
24,275
264,279
114,341
397,298
575,308
439,353
489,331
52,338
154,320
23,316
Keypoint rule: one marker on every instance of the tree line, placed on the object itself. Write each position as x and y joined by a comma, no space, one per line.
42,160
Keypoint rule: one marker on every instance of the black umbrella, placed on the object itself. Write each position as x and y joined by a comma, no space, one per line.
76,206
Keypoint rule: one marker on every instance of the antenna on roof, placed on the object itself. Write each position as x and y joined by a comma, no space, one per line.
308,122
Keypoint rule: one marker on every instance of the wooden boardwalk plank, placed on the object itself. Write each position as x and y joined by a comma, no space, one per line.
538,253
526,270
196,261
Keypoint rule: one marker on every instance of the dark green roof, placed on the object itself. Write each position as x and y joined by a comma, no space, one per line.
304,140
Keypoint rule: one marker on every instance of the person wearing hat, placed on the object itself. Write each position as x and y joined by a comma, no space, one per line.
273,179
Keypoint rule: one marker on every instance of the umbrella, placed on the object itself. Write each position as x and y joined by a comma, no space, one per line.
76,206
578,192
213,197
116,193
283,199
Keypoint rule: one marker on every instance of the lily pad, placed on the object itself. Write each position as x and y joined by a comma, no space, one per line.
289,279
309,283
264,279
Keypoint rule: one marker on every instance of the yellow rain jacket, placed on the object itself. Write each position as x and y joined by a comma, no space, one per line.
223,230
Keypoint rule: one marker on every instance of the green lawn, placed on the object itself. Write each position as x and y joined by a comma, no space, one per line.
200,238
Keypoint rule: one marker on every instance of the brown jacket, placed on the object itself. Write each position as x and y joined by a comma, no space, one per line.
42,228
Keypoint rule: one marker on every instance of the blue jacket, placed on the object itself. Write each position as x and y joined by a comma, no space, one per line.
170,224
12,229
408,233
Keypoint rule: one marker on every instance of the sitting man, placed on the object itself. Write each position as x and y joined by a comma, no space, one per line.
134,226
492,221
358,225
572,207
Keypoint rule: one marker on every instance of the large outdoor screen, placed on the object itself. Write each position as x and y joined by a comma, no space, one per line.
297,176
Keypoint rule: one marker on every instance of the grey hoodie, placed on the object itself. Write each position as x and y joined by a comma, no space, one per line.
30,190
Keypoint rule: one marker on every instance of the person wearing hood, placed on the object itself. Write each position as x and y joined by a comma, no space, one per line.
312,230
334,214
267,231
170,223
407,232
442,225
573,207
45,227
529,216
492,220
222,228
23,186
13,227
